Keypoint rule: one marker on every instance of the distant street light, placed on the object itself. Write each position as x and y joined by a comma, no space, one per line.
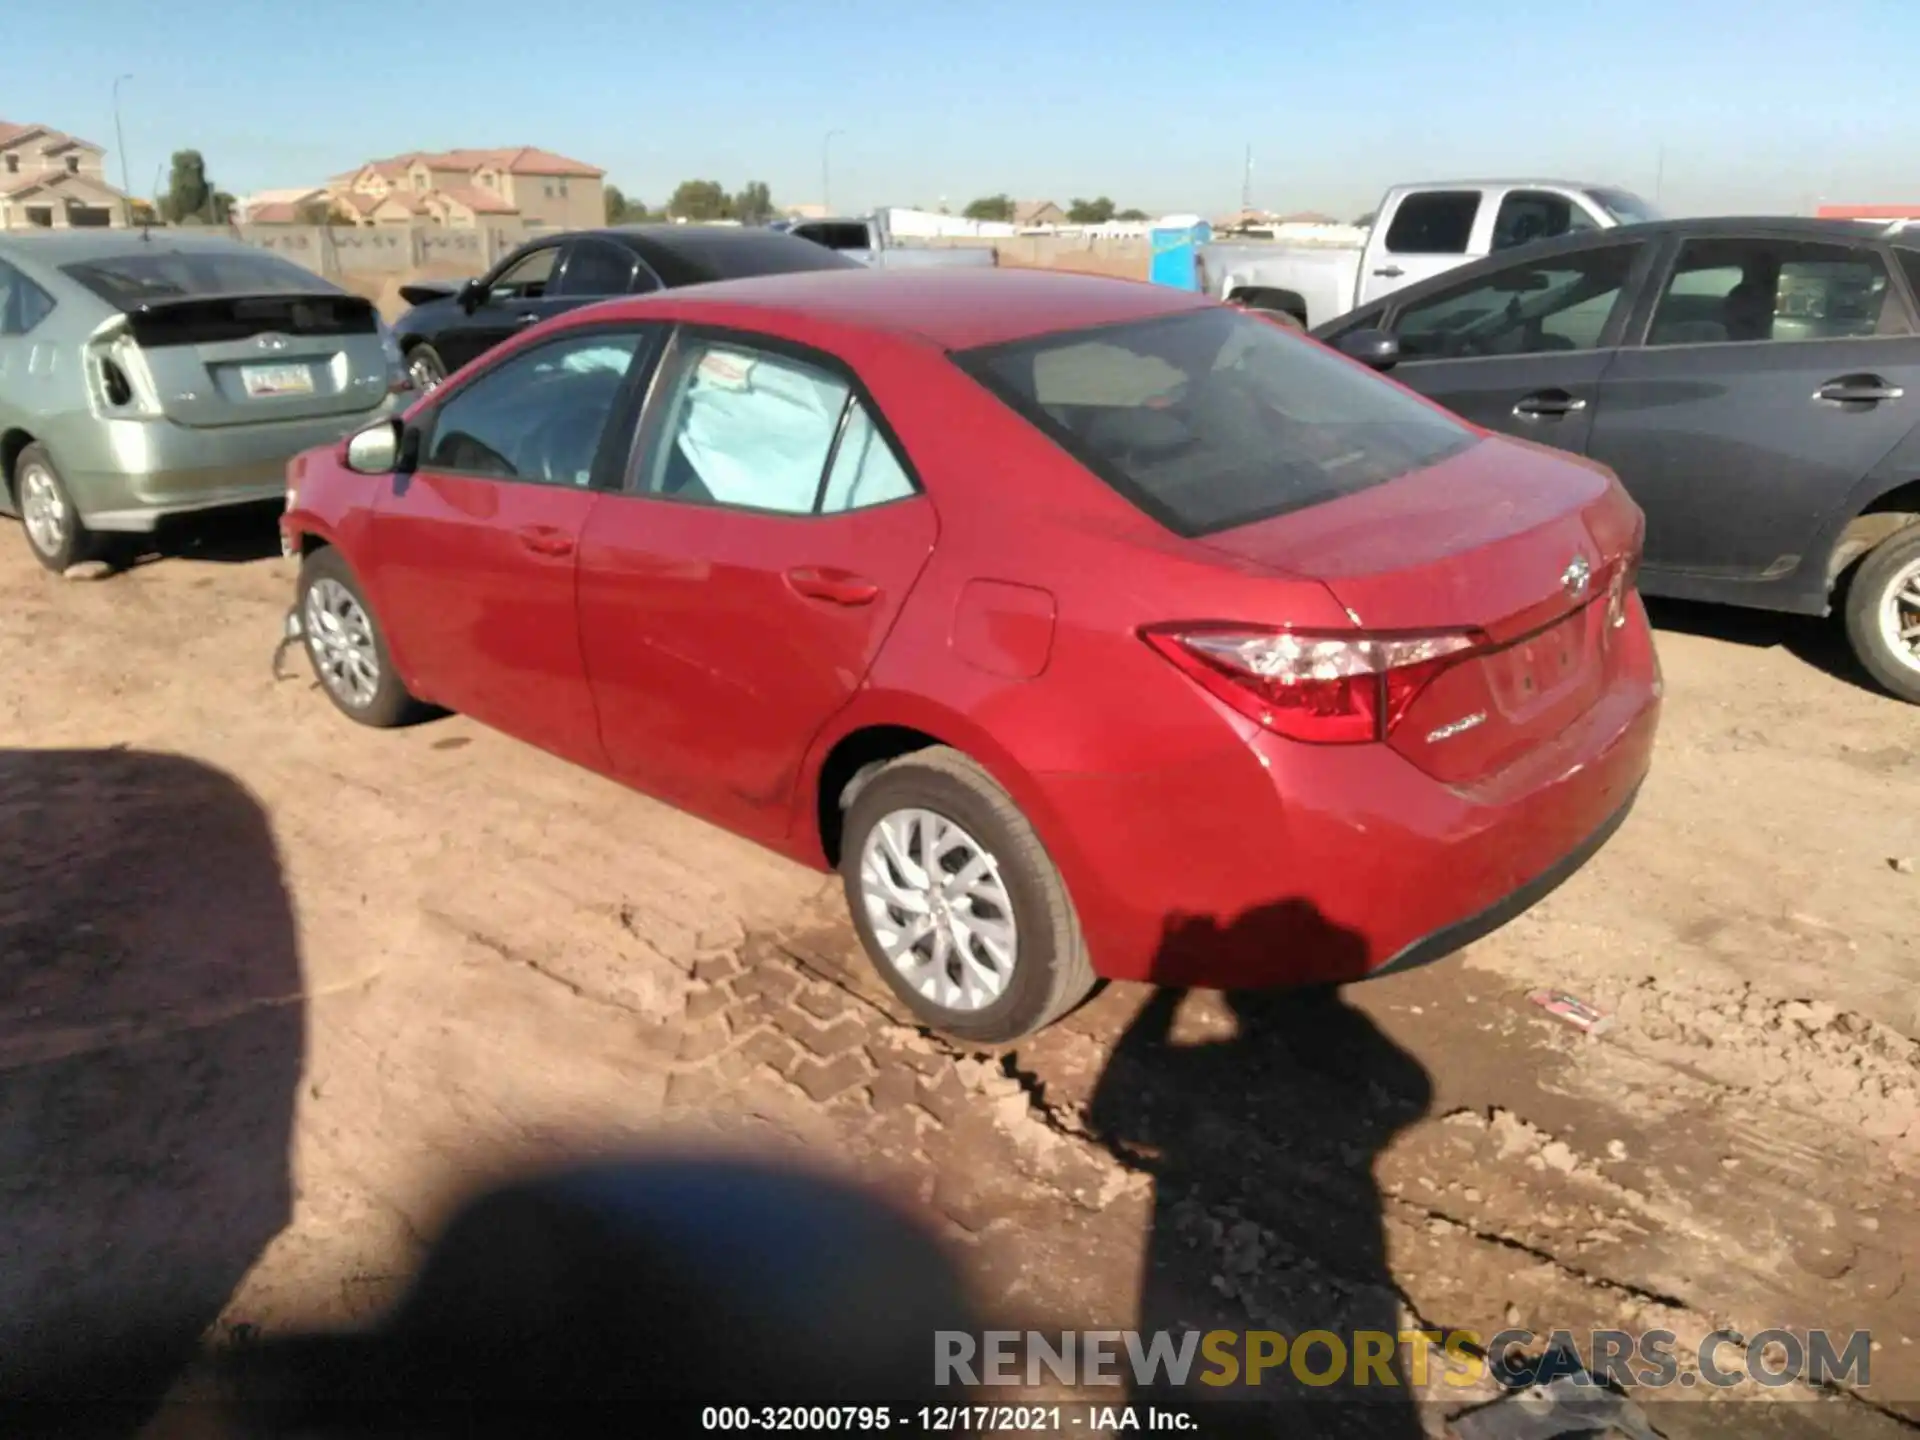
826,173
120,139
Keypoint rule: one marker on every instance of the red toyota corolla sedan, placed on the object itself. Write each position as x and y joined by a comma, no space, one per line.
1087,628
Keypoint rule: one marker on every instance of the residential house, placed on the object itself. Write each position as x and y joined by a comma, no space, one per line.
280,207
469,188
51,180
1032,214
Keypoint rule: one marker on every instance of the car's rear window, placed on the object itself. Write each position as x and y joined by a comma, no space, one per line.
1213,419
163,274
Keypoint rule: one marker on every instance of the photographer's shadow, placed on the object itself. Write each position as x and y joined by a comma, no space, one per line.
151,1043
1262,1143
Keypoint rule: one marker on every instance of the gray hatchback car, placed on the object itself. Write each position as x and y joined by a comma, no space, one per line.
152,373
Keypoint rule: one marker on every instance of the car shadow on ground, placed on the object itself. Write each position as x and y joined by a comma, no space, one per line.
151,1043
1262,1138
239,536
1820,642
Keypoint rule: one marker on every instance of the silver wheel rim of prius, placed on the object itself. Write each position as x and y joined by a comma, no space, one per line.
939,909
1900,615
43,511
340,639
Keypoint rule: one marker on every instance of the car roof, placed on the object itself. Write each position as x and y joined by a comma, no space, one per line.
64,247
956,309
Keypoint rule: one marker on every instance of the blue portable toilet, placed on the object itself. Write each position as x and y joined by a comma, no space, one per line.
1176,242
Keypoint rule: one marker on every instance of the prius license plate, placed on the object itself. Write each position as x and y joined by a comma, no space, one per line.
265,380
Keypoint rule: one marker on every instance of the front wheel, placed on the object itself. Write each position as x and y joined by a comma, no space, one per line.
344,642
1883,614
957,903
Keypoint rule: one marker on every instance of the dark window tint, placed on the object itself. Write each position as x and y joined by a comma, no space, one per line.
836,234
1214,419
527,277
1525,309
23,304
1434,222
1529,215
1624,206
1741,291
538,416
162,274
596,267
1910,263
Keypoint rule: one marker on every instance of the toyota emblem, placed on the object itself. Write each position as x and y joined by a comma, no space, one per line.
1576,576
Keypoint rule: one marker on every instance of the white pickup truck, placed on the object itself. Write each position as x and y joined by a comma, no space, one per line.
1418,232
868,240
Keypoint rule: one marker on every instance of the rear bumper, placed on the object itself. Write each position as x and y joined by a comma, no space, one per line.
129,475
1289,864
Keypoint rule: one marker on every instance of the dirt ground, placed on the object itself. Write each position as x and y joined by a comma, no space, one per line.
275,987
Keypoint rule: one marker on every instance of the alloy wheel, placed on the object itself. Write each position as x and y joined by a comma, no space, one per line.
340,640
939,909
43,509
1900,615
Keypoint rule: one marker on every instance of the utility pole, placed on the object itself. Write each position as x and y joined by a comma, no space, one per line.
120,139
1659,174
1246,182
826,174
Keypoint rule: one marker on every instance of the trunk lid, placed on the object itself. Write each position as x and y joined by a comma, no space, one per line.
252,359
1521,545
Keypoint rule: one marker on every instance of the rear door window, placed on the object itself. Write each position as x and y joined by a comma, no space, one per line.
1525,216
1434,222
1214,419
1738,291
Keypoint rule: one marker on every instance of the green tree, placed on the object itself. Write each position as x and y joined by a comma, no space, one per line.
616,203
317,212
220,208
989,207
700,200
189,193
754,204
1133,213
1090,212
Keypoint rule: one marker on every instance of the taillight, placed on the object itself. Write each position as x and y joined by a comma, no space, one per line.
118,380
1328,688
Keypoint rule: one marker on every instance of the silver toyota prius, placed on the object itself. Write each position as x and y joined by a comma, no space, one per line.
149,373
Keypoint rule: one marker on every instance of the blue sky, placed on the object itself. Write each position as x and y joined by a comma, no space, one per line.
1759,104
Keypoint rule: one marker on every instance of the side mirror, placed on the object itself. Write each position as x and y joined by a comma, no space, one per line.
472,295
375,450
1375,348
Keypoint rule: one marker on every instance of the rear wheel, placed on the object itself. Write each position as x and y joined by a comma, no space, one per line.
344,642
1883,614
957,903
425,368
48,516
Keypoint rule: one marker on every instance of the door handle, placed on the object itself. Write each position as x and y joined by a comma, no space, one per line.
1857,390
836,587
1548,404
1392,272
527,319
546,540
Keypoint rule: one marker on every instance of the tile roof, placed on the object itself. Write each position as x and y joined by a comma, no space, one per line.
481,202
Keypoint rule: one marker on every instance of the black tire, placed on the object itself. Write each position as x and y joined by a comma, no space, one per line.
74,544
1051,972
1891,569
425,367
389,704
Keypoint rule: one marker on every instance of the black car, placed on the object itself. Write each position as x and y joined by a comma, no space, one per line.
451,323
1754,383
